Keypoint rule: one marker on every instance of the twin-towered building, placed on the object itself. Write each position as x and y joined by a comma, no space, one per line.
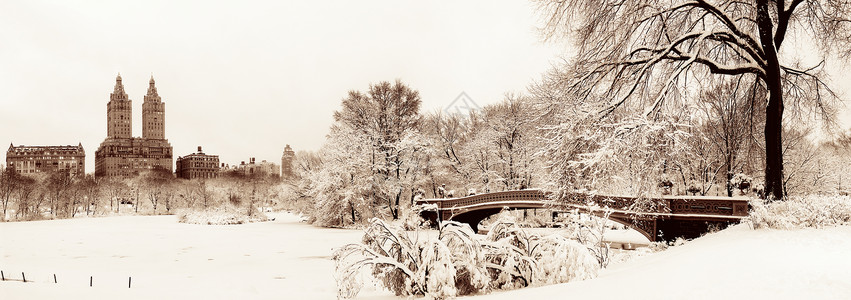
121,154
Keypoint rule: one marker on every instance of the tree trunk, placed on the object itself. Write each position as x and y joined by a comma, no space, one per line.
352,207
395,209
774,110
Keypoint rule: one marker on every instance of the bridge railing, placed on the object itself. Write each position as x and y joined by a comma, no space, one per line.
447,203
705,205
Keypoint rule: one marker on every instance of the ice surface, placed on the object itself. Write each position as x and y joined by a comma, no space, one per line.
284,259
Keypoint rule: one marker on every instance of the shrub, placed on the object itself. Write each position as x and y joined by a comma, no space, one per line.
813,211
222,215
518,258
397,262
456,263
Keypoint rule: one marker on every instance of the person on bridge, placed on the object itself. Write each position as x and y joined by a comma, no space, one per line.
441,191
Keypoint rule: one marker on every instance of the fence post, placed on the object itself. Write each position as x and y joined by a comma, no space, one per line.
129,281
24,276
90,281
3,275
54,278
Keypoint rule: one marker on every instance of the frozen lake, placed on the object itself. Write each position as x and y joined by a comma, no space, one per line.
281,259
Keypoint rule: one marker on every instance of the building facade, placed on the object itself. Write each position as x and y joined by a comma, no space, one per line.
198,165
46,159
252,168
287,162
121,154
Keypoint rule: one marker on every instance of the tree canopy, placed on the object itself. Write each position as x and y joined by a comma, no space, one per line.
646,55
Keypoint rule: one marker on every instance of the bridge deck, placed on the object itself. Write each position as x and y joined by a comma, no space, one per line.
667,206
656,218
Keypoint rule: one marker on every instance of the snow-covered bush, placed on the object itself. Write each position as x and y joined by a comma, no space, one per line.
455,263
589,231
411,218
468,257
509,251
801,212
742,182
525,218
519,258
402,266
221,215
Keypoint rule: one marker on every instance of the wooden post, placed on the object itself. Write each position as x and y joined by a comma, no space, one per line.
54,278
24,276
129,281
90,281
3,275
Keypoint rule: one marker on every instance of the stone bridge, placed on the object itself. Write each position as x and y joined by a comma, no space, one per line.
663,219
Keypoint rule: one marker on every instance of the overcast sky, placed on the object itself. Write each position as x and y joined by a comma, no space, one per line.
246,78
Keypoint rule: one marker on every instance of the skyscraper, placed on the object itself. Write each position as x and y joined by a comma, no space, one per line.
287,162
121,154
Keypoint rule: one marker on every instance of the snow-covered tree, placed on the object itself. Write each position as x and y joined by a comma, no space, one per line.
619,154
341,186
372,154
488,150
646,54
446,135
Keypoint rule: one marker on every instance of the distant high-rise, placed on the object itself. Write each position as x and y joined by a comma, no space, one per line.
119,113
287,162
153,114
121,154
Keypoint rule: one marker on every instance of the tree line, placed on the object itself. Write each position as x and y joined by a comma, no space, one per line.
60,195
382,153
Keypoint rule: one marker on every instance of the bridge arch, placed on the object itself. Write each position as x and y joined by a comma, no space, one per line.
688,216
475,215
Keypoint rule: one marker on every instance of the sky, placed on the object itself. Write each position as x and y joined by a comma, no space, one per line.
245,78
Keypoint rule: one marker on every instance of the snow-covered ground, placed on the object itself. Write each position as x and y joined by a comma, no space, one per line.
737,263
287,259
283,259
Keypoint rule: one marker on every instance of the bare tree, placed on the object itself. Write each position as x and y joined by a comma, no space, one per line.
90,187
115,190
729,122
157,184
8,185
447,134
58,184
28,198
648,52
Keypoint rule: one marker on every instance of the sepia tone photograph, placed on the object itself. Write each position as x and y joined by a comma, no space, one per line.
379,149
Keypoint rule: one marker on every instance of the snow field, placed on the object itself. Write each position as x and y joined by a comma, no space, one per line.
280,259
736,263
288,259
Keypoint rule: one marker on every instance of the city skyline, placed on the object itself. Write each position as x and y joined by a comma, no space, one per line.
244,80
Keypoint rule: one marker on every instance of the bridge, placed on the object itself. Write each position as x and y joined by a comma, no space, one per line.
665,219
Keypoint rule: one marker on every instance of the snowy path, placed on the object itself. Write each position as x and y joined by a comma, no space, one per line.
737,263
